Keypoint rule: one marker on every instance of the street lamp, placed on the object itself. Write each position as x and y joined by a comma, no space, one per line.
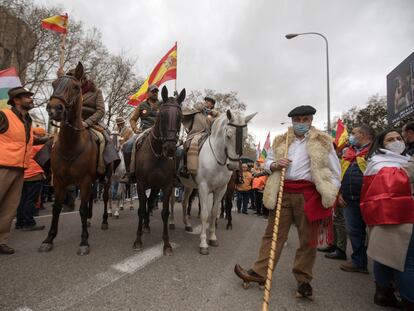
293,35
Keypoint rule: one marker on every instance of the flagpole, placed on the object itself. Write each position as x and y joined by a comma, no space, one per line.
62,51
176,68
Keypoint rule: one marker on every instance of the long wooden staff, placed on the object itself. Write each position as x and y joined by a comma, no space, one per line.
271,264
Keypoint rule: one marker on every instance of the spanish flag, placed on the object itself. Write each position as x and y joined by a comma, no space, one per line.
58,23
165,70
341,135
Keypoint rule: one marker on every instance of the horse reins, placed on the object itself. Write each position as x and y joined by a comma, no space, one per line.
239,145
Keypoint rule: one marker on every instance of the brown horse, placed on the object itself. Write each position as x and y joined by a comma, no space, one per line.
227,201
74,156
155,165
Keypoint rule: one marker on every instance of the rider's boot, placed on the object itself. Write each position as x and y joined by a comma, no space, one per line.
184,171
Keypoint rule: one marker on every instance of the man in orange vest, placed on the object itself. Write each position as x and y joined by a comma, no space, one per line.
16,142
32,187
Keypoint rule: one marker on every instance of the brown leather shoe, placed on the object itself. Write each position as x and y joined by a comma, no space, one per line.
248,276
6,250
350,267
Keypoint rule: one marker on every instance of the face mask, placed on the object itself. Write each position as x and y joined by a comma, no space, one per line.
352,140
300,128
396,146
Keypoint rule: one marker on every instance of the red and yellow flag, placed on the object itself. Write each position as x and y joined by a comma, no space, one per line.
58,23
341,136
165,70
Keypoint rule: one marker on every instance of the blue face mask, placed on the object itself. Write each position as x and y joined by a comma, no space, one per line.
300,128
352,140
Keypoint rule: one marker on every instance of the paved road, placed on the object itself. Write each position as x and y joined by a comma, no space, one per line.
114,277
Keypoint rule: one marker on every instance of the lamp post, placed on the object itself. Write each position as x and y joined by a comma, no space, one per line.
293,35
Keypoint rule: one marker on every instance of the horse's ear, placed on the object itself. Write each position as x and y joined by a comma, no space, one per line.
181,97
164,94
229,116
249,117
79,71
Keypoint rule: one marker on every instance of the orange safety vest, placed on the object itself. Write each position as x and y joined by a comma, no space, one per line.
33,168
259,182
15,152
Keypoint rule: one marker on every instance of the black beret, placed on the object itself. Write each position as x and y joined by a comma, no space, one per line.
302,111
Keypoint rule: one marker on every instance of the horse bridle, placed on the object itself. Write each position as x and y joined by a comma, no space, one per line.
161,137
66,104
239,145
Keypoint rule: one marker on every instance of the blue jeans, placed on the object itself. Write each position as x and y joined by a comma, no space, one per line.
404,280
242,198
355,226
114,188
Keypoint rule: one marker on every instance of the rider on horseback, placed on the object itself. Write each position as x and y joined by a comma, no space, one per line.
197,121
147,113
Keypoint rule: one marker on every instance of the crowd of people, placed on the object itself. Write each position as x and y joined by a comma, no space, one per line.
372,206
362,193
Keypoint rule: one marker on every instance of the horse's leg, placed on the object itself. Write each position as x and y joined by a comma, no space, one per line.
105,196
85,211
94,187
171,217
203,193
141,214
152,200
217,196
222,208
229,206
185,202
168,251
60,192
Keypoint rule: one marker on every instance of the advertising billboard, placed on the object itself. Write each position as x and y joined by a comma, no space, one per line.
400,91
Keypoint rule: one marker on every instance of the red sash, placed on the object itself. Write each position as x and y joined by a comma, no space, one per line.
386,198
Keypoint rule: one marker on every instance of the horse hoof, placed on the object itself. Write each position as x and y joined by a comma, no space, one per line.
146,230
213,243
168,251
188,229
137,246
116,216
121,208
204,251
45,247
104,226
131,208
172,226
83,250
229,227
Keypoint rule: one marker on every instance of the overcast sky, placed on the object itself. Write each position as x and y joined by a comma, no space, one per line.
240,46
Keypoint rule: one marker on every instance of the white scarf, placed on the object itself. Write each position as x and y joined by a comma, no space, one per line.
386,159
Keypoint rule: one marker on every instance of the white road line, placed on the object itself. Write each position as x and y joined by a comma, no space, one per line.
61,214
196,230
79,292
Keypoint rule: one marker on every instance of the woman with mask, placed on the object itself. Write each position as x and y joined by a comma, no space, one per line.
387,207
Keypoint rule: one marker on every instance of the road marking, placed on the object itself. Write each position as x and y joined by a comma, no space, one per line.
79,292
196,230
61,214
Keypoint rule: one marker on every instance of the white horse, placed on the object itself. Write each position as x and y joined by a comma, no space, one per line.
218,157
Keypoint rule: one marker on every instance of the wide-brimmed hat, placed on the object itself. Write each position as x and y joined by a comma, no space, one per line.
17,91
152,87
119,120
210,98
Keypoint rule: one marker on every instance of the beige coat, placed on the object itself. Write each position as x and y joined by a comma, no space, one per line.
319,146
195,121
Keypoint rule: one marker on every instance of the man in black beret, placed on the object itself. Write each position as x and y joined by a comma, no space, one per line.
312,182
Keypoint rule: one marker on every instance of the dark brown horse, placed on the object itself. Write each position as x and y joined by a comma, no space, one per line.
155,165
74,156
227,201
